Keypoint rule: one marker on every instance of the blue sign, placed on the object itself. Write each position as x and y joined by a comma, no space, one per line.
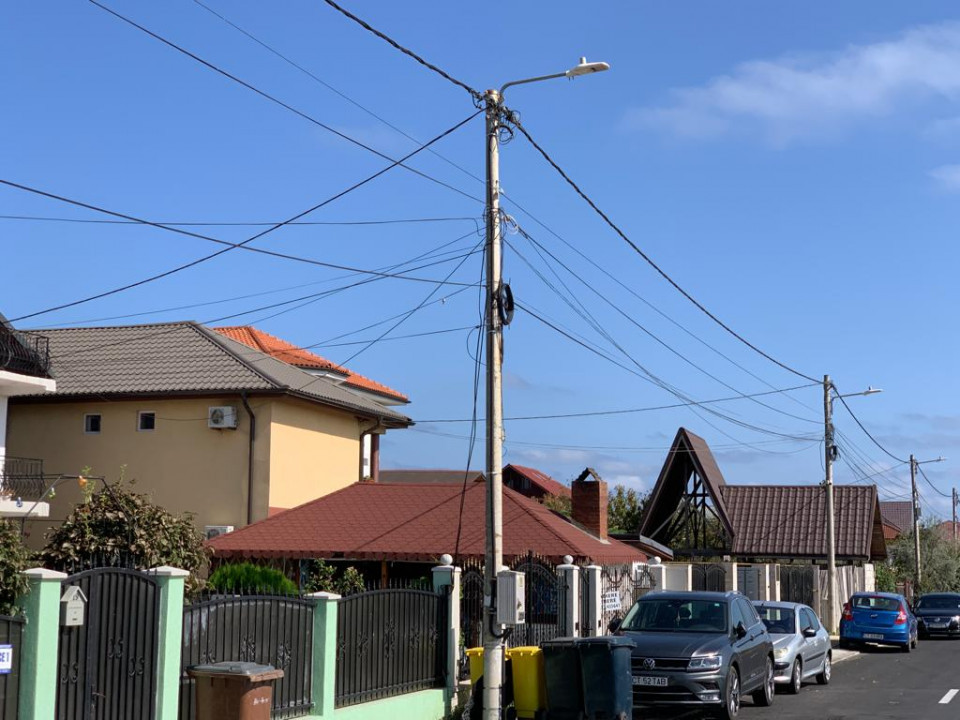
6,659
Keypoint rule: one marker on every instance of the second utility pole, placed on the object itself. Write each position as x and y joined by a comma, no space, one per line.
493,559
916,525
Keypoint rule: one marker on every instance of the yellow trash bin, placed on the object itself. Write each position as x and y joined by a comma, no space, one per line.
529,680
475,656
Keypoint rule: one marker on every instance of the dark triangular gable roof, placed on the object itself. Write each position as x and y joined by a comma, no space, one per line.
689,453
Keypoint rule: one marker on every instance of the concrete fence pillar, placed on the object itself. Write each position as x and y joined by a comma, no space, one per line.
658,576
171,582
571,589
38,650
446,578
594,602
730,576
323,684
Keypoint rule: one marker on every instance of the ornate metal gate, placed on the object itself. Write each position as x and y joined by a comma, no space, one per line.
107,666
798,583
709,577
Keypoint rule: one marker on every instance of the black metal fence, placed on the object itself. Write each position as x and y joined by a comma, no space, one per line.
543,588
620,587
108,665
390,642
711,577
267,629
24,353
11,639
798,583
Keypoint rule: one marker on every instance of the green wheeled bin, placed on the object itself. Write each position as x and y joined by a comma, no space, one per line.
607,680
564,683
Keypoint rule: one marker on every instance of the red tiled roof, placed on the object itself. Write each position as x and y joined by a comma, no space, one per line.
301,358
898,513
369,521
542,480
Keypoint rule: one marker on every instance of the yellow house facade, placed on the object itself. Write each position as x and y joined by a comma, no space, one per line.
160,406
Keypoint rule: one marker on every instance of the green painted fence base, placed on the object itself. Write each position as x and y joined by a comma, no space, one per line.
423,705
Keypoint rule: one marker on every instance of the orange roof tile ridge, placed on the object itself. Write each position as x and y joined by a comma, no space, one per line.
216,339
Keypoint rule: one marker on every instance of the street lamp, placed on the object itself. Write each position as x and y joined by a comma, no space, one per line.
830,454
496,317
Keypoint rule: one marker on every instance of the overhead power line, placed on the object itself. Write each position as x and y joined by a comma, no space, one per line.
278,101
937,490
626,411
865,431
475,94
644,255
335,223
229,245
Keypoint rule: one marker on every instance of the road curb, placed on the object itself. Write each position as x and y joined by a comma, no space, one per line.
840,654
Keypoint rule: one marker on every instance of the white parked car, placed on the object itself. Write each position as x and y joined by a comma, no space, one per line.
801,645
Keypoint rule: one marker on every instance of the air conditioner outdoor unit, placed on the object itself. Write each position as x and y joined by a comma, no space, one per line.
222,417
212,531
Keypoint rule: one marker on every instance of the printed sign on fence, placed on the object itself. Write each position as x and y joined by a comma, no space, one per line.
611,601
6,659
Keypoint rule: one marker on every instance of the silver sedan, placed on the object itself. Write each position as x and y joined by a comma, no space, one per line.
801,645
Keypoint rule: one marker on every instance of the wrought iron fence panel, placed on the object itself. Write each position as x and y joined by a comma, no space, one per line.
11,639
543,589
710,577
471,605
24,353
390,642
107,666
620,587
267,629
584,603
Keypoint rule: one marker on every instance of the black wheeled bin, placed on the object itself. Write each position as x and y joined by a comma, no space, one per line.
607,680
561,665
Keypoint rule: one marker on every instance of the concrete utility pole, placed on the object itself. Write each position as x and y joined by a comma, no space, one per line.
917,579
829,453
497,315
955,516
493,559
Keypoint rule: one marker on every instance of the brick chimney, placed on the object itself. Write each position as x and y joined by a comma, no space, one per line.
590,503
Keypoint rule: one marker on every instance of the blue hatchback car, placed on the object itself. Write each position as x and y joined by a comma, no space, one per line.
882,618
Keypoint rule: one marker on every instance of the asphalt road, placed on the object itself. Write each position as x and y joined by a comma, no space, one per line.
878,683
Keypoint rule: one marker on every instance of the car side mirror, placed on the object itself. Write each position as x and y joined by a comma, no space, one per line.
615,624
741,630
809,632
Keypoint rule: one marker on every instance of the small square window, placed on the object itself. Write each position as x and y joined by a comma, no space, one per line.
146,420
91,423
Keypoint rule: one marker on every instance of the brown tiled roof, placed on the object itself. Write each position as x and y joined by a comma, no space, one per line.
541,480
689,453
374,521
428,477
898,513
184,359
789,521
303,358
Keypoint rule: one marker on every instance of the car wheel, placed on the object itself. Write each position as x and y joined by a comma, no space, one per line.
845,644
731,696
916,640
824,677
764,696
796,678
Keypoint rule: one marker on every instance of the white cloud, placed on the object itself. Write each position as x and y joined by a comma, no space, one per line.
815,96
948,177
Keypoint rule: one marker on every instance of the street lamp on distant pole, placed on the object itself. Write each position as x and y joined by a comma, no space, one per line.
915,497
497,314
830,454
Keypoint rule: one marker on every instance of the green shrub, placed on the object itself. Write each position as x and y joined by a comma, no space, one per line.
14,559
248,579
322,577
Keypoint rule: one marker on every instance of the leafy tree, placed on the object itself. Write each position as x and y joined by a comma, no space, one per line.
323,577
117,524
625,509
940,560
14,559
248,579
886,578
558,503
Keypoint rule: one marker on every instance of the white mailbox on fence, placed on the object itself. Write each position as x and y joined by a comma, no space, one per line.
73,604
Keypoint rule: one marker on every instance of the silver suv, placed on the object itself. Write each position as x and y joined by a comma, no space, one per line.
698,649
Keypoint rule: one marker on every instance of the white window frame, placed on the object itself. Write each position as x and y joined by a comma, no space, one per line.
92,432
140,414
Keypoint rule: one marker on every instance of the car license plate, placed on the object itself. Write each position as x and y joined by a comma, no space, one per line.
936,626
873,636
649,680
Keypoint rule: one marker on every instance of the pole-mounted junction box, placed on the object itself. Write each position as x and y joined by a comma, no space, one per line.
511,598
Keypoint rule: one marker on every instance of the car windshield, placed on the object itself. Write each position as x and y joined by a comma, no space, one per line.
777,620
875,602
675,615
939,602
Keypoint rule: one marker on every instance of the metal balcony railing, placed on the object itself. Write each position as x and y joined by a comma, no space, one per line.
21,478
24,353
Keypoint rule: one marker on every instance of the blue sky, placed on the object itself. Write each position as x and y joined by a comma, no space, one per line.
796,167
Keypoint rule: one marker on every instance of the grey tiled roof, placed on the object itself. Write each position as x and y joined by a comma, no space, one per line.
184,358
